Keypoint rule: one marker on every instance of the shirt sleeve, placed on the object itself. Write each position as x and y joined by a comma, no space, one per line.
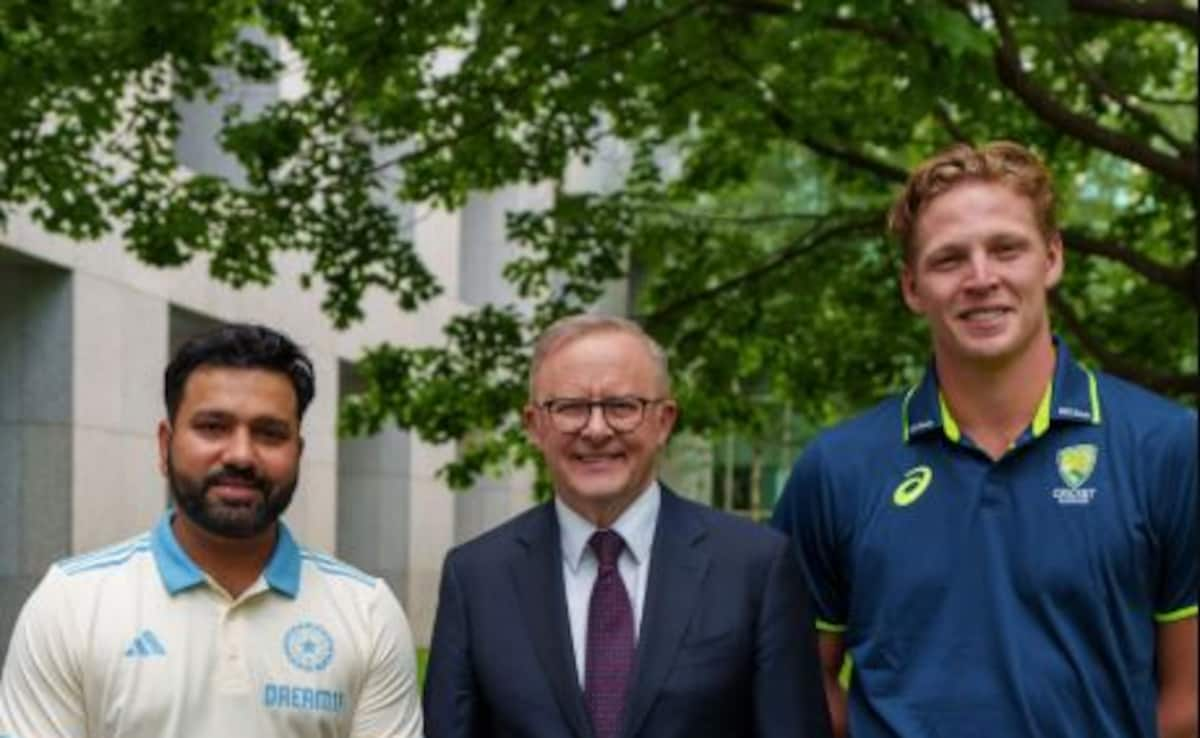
1174,491
806,514
389,705
41,694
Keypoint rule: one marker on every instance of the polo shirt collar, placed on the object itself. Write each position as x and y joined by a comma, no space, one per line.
179,572
636,526
1071,397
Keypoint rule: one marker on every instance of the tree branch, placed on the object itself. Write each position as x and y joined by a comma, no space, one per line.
857,159
1124,101
1186,102
1180,170
783,121
807,243
1175,278
637,35
761,7
941,112
736,220
890,36
1164,12
1117,364
561,65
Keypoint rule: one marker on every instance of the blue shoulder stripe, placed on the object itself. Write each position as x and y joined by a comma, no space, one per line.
103,552
118,552
113,561
337,568
334,566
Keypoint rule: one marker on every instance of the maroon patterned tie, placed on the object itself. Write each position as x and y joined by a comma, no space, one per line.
610,647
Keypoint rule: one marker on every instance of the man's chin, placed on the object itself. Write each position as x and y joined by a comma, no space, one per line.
602,493
987,348
233,523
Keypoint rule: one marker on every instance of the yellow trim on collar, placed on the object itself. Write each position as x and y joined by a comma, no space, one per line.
1041,418
949,426
904,410
1093,395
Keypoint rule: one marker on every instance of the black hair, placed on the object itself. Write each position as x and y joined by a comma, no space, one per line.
239,346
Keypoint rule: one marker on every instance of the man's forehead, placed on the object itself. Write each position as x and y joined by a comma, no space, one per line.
211,388
612,348
994,195
963,204
617,363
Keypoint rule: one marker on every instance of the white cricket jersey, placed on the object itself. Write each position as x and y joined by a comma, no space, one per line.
135,641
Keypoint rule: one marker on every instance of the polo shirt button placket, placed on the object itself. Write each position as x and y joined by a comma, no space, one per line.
995,492
231,669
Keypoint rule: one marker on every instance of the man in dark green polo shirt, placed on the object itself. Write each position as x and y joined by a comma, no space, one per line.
1009,548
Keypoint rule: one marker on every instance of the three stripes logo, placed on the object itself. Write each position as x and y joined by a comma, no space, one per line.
145,645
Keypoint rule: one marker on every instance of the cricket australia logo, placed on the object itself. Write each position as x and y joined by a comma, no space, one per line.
308,646
1075,467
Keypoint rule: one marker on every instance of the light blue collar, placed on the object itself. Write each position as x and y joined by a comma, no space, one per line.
179,572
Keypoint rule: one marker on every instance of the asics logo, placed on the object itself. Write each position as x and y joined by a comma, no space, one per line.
916,480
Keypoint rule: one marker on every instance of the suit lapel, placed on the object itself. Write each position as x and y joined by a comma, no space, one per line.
539,587
677,569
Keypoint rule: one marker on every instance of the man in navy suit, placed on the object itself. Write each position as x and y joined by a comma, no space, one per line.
619,608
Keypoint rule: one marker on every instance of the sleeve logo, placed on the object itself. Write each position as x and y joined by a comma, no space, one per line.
308,646
916,480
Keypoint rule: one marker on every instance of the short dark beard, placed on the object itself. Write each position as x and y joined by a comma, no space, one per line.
191,499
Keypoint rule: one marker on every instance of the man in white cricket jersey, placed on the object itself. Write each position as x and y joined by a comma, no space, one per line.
215,623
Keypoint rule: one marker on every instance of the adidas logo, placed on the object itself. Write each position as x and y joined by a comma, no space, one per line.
146,644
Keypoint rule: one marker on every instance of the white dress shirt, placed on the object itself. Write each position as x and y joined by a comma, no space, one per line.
636,526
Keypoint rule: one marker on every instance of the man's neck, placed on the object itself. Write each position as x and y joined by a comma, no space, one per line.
233,563
994,403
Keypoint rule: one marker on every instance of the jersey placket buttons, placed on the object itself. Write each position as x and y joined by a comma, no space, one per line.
232,675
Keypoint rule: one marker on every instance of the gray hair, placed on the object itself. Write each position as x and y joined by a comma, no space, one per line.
575,326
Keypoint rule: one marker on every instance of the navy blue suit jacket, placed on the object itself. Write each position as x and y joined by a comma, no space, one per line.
726,646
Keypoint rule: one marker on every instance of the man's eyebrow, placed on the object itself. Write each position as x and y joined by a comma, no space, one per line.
1008,238
270,421
944,248
260,420
212,414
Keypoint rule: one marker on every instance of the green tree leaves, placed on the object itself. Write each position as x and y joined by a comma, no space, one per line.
768,138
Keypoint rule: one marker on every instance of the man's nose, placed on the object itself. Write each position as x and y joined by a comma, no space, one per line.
982,271
596,425
239,449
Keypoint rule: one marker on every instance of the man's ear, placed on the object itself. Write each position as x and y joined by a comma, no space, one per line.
529,420
908,288
668,414
1055,256
164,445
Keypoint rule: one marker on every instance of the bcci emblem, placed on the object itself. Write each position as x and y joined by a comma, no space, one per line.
308,646
1075,464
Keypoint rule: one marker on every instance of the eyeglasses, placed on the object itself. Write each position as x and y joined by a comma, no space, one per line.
623,414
